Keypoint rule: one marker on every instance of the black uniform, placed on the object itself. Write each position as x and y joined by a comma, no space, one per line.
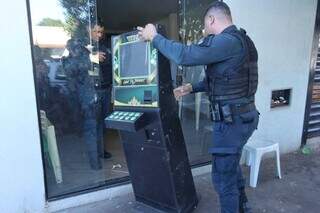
231,82
103,85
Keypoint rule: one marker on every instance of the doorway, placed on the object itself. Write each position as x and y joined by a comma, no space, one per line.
123,16
183,22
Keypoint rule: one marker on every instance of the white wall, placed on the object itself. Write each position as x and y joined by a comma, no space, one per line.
21,179
283,33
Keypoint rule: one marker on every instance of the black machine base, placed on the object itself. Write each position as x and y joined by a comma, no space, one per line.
158,163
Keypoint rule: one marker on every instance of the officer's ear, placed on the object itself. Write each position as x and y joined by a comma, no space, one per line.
212,19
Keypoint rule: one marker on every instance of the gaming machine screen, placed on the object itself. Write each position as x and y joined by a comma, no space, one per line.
135,72
134,60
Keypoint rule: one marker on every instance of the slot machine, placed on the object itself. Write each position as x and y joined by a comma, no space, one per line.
145,113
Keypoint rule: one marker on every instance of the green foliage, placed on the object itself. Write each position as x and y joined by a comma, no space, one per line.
79,14
306,150
51,22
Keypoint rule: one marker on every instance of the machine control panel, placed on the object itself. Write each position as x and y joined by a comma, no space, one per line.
125,116
125,120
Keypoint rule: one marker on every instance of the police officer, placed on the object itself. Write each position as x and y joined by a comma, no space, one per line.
231,82
83,94
101,59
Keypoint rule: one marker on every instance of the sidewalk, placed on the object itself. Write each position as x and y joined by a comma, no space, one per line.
298,190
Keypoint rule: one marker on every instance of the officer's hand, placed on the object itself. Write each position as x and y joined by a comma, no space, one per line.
148,32
102,56
182,91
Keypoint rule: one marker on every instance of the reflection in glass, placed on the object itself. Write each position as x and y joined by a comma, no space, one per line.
72,64
194,108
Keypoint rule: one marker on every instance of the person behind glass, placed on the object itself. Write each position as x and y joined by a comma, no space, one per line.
42,79
83,94
101,59
231,81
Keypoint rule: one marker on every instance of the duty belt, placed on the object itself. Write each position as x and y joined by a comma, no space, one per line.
226,112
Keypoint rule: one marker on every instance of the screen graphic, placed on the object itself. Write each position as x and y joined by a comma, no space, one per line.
135,72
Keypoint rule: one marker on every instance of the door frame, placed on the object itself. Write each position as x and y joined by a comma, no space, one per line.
312,71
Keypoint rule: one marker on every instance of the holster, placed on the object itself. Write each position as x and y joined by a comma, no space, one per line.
227,112
215,113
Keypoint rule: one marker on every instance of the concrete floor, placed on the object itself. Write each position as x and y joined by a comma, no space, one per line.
298,190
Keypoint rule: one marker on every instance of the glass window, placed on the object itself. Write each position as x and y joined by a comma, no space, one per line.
72,62
194,108
73,75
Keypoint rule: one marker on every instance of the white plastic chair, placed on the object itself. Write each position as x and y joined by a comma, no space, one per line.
201,98
253,151
193,75
198,101
48,132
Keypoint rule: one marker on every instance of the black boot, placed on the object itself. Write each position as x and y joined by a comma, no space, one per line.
243,202
94,161
107,155
244,208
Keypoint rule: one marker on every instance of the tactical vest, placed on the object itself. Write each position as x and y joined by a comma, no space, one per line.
242,82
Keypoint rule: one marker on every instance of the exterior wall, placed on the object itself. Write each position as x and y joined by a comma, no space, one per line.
283,33
21,179
282,30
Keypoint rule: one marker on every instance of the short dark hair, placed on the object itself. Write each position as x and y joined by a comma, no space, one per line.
218,6
97,22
